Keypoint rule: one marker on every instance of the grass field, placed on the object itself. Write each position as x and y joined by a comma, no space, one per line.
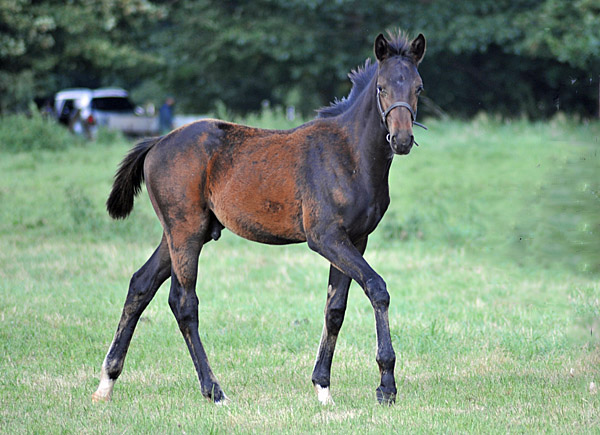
490,252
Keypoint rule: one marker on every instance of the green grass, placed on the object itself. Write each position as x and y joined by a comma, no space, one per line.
490,251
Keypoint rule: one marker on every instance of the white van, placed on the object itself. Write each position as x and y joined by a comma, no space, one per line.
83,110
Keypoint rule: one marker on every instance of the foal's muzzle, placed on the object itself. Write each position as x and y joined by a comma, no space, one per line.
401,143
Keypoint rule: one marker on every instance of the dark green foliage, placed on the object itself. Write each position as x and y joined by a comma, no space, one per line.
530,57
508,84
47,45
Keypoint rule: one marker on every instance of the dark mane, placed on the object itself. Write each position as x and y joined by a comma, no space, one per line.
399,43
361,77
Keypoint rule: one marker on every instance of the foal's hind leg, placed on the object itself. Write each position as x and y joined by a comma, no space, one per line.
335,309
142,288
185,249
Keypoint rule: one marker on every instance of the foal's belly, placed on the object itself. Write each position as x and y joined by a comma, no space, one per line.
259,203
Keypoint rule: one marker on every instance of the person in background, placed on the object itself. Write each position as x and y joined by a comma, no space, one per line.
165,116
47,110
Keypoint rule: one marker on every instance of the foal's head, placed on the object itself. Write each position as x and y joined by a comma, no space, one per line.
398,87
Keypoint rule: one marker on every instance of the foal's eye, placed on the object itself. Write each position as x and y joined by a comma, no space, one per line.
382,91
420,89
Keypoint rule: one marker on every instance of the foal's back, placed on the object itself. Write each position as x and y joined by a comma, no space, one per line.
254,181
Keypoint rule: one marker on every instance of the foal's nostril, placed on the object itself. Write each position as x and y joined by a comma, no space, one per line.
404,141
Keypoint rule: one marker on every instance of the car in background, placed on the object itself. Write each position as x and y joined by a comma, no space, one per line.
83,110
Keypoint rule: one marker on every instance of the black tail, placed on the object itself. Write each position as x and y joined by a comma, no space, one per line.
128,180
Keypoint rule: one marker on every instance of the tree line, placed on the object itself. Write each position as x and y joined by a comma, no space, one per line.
511,57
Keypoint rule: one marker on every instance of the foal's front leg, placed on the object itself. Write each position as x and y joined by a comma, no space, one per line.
335,309
335,245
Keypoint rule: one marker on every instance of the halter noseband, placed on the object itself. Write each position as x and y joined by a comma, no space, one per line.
384,114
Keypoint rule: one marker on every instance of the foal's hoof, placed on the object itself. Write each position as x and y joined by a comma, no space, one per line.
98,397
324,395
104,391
385,398
223,401
217,396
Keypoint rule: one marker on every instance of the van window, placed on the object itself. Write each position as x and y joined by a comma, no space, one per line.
112,104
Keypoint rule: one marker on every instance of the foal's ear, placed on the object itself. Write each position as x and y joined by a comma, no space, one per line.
417,49
382,48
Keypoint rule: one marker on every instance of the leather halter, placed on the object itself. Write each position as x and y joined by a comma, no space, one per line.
384,113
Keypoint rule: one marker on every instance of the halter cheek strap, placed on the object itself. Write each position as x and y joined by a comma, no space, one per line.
384,113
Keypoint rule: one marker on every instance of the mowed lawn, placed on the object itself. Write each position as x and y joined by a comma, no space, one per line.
489,249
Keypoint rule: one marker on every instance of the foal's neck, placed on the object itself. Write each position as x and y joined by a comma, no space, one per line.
368,134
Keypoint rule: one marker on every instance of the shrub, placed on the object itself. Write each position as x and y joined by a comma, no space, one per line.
30,132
